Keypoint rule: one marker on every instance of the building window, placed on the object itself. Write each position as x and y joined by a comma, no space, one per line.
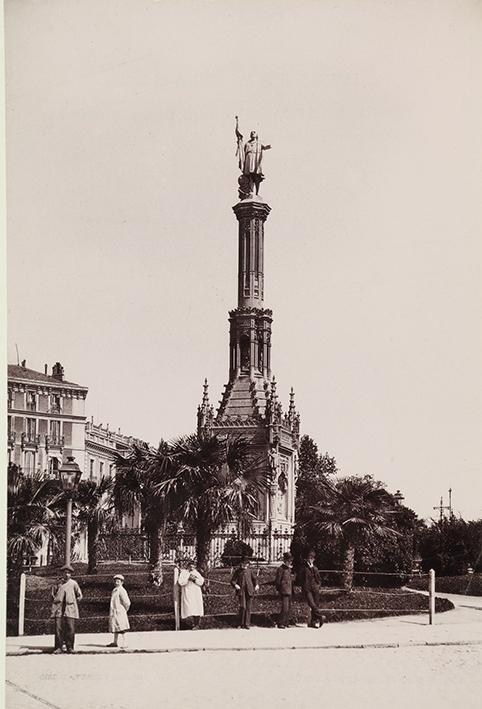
111,470
29,463
55,432
53,468
55,404
101,469
31,401
31,429
91,468
10,400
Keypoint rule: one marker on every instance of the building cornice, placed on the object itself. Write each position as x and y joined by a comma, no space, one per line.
46,415
62,388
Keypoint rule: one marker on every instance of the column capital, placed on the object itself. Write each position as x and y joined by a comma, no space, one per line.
251,208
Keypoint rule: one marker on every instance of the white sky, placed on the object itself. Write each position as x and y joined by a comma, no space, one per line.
122,245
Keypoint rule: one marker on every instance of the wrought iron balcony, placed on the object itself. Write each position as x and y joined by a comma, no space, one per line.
30,439
54,440
55,409
12,437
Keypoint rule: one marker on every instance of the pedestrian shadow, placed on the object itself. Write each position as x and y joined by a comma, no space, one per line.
97,645
39,648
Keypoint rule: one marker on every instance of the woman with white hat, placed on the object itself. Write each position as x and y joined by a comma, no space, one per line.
192,606
118,620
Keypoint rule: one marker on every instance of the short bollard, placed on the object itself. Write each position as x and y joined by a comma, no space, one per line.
431,598
175,593
21,604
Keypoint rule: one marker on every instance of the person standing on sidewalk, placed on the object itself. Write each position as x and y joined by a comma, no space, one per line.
118,620
311,585
65,597
284,586
192,605
245,583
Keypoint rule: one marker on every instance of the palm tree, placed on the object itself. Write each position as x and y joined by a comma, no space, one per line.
136,485
95,511
352,510
32,514
212,482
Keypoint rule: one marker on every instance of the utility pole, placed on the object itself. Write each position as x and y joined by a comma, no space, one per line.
443,507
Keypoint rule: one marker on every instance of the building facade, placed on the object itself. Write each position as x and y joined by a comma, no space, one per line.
250,406
46,422
45,419
101,447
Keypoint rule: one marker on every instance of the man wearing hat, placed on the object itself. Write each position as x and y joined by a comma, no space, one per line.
245,584
311,585
284,586
65,610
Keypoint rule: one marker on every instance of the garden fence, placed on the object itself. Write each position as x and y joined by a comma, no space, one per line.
215,588
267,546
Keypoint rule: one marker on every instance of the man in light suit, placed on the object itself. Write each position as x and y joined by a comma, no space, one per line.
65,597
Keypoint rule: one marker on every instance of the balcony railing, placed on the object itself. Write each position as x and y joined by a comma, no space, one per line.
55,409
12,437
54,440
30,439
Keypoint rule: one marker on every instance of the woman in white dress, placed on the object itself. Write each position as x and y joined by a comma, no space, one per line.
192,606
118,620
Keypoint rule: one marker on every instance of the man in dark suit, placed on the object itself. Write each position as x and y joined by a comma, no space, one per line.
245,584
284,586
310,580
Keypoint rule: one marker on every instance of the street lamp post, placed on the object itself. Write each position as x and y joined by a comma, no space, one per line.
70,475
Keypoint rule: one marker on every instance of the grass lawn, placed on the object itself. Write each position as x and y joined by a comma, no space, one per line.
468,585
152,608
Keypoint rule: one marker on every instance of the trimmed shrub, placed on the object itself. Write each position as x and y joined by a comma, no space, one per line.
233,552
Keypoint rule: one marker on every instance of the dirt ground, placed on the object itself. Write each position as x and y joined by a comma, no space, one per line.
442,676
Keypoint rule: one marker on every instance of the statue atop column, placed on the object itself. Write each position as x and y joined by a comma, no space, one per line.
250,156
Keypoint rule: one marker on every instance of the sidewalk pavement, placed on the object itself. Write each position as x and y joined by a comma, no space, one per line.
459,600
462,626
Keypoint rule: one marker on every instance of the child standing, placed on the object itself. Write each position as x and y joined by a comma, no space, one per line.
118,620
245,584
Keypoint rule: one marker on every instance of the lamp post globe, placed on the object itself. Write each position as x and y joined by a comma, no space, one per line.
69,474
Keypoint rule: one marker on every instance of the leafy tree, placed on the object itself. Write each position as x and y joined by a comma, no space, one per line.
443,546
394,553
351,511
95,510
474,543
314,469
315,476
32,511
212,481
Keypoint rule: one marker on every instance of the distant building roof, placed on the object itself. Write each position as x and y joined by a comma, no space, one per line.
18,373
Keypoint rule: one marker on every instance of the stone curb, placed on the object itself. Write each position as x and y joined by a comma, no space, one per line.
359,646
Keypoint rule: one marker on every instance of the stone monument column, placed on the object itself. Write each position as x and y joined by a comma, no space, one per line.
250,323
